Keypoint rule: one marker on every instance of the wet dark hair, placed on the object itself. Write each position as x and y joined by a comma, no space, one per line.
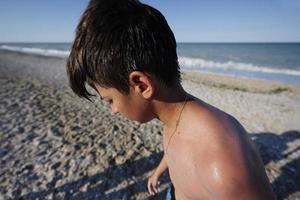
117,37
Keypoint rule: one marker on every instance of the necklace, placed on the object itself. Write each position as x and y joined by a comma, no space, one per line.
176,125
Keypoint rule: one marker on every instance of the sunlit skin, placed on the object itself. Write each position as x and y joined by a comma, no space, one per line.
209,157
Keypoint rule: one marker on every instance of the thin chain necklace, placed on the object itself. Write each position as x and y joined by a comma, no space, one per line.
176,125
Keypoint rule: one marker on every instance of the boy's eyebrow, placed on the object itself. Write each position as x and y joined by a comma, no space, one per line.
102,97
95,88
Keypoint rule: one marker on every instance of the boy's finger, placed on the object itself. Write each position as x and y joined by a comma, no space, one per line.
153,190
149,187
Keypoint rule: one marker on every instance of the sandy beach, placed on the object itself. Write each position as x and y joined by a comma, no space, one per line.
54,145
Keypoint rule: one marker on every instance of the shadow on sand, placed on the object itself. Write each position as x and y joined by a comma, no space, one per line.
103,186
275,151
272,147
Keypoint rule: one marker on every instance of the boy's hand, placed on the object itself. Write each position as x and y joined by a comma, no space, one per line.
153,184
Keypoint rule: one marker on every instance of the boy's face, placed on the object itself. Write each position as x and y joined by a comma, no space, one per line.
132,106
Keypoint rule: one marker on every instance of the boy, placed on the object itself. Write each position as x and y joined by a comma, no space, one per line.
126,51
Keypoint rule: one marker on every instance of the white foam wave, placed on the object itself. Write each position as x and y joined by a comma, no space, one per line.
230,65
45,52
188,62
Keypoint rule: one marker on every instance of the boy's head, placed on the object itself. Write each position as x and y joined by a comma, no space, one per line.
115,38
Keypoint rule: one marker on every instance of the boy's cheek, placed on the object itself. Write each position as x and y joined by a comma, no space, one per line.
135,114
141,115
135,110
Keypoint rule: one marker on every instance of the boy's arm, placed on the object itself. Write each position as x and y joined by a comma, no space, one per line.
163,166
153,183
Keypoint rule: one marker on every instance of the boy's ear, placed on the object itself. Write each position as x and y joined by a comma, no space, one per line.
141,83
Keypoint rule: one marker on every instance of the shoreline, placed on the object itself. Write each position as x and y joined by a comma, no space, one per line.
240,83
210,79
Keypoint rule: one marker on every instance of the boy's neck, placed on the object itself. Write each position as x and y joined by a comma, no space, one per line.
169,104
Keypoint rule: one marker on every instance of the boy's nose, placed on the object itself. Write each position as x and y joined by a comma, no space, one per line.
114,109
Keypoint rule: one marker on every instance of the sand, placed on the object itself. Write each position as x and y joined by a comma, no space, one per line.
54,145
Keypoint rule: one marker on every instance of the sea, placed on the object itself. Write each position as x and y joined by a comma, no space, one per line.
267,61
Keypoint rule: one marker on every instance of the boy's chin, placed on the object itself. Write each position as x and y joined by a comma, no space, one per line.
142,121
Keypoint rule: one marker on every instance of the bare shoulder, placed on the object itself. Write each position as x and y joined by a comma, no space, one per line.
227,160
208,122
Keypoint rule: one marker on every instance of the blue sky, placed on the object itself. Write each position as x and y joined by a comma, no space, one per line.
191,21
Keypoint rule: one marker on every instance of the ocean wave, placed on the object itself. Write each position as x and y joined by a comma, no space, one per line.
185,62
197,63
39,51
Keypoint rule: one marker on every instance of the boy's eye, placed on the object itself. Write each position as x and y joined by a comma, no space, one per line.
110,101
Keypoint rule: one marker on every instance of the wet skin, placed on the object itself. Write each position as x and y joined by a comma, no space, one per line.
211,157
